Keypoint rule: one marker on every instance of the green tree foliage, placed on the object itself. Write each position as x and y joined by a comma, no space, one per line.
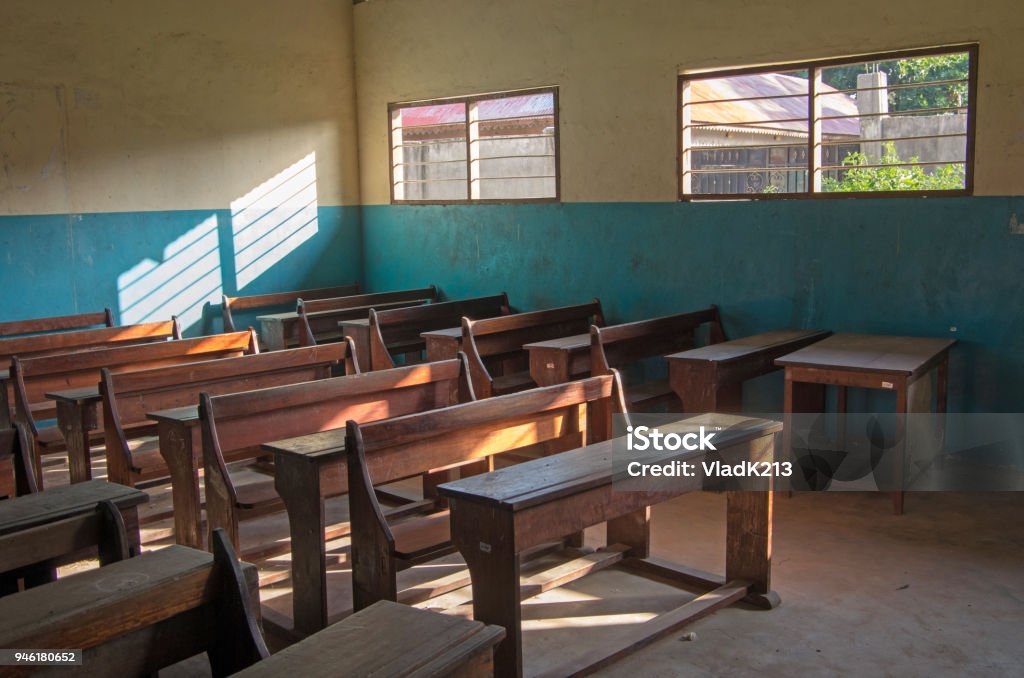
893,175
908,71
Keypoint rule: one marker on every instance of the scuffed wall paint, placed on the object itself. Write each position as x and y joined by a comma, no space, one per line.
892,266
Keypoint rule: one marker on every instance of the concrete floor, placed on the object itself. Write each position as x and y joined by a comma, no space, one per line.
938,591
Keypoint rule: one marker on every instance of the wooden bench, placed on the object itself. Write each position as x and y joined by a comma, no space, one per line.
619,345
498,363
560,417
9,470
36,378
318,320
57,323
497,517
143,614
73,342
393,640
398,330
236,426
40,531
710,378
130,399
281,300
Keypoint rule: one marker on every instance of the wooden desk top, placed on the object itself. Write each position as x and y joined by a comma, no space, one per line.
740,348
357,311
543,480
447,333
385,639
869,353
87,394
571,343
355,321
314,446
187,414
57,503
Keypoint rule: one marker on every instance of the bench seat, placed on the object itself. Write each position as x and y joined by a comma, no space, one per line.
648,393
423,538
511,383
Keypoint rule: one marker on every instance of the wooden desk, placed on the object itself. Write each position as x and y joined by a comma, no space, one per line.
359,330
76,419
56,523
497,516
389,639
443,344
181,446
887,363
710,378
556,361
277,328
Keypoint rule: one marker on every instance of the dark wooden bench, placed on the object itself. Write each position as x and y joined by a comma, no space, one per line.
710,378
393,640
318,319
619,345
73,342
498,517
57,323
40,531
135,445
75,429
9,471
398,330
278,300
498,363
143,614
560,417
236,426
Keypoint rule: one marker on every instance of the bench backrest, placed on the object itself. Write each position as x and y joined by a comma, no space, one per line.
142,614
402,326
318,319
561,416
237,424
619,345
85,340
493,344
35,377
284,300
129,396
57,323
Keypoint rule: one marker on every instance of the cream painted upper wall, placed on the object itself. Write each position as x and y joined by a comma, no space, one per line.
616,63
128,105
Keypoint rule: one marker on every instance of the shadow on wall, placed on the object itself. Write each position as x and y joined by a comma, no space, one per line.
266,225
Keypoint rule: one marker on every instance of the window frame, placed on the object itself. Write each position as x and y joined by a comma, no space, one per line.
467,100
971,48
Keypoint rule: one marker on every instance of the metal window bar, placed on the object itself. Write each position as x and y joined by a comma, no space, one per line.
760,98
917,111
929,163
859,141
897,85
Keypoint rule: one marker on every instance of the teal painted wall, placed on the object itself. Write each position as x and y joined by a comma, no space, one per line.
148,265
892,266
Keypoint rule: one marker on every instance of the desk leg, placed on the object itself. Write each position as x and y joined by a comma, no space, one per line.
548,368
75,423
484,536
178,448
298,484
360,335
748,544
633,530
902,408
272,334
696,385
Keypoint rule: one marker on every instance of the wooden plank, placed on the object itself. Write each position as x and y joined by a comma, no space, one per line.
638,636
56,323
54,504
870,353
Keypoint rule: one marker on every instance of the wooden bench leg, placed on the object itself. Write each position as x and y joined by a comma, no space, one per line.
298,484
177,451
748,544
75,424
633,530
494,570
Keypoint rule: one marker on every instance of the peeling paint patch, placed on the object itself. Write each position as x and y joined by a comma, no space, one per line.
1016,227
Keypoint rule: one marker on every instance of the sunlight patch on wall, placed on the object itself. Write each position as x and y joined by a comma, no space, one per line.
188,276
273,219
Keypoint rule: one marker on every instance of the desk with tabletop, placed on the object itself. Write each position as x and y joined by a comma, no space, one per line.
359,331
497,516
76,419
556,361
710,378
899,364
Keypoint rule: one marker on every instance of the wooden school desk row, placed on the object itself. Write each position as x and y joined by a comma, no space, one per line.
137,614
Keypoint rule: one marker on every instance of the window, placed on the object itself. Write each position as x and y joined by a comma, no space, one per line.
899,123
488,148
